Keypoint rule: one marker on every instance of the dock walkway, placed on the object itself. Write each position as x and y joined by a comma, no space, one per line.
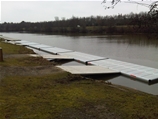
93,64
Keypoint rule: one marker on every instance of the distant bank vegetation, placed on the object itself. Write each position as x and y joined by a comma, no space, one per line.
117,24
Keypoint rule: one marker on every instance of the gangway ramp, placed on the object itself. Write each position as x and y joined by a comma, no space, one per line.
82,57
144,73
21,41
8,38
25,43
55,50
40,53
52,57
49,56
39,46
87,70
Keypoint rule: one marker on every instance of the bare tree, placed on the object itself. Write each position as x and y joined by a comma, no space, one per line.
113,3
153,7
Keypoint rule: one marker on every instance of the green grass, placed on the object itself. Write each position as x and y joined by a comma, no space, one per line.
10,49
14,49
25,61
47,97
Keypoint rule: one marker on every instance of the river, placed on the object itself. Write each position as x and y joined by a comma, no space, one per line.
136,49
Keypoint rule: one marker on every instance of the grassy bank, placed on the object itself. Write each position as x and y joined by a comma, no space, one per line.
58,94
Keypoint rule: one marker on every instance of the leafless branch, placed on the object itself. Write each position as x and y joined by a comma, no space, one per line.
153,7
113,3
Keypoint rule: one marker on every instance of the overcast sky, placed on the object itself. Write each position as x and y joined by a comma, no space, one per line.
36,11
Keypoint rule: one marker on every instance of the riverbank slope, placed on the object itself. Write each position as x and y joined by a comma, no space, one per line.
34,88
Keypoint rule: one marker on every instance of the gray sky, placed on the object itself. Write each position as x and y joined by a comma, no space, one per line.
34,11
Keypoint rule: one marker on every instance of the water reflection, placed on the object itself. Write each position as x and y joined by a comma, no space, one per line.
139,40
135,84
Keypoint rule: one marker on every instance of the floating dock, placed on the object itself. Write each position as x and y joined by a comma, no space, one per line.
143,73
87,70
55,50
51,57
9,39
83,57
96,64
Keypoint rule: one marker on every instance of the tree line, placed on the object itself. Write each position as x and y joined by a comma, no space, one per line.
116,24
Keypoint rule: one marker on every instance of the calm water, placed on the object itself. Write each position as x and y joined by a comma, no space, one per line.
134,49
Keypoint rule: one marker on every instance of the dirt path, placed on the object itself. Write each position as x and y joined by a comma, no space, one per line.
42,66
25,71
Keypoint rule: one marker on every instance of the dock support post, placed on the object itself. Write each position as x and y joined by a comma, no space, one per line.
1,55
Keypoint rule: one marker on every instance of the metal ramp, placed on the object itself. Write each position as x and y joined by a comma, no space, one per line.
40,53
8,38
55,50
87,70
51,57
145,74
25,43
82,57
20,42
39,46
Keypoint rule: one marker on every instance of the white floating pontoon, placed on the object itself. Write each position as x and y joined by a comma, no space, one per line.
51,57
82,57
87,70
144,73
9,39
54,50
25,43
39,46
